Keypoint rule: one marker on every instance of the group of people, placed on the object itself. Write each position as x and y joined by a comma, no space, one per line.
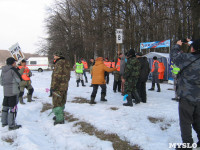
131,72
14,80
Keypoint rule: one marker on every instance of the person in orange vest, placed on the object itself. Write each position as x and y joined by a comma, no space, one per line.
109,65
155,73
26,82
117,76
161,74
85,65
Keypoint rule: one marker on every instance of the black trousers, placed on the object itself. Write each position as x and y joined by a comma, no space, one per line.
10,101
95,89
189,116
117,84
107,77
141,88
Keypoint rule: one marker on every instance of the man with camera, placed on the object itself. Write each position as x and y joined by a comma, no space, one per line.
188,89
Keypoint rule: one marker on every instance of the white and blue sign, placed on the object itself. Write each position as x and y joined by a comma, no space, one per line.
156,44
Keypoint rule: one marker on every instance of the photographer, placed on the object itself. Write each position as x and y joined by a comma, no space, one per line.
188,89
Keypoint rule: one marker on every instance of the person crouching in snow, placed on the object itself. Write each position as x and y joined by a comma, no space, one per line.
59,86
79,73
98,79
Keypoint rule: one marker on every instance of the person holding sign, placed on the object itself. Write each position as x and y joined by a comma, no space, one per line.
26,82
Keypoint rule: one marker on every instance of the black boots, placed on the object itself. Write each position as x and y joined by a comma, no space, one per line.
103,97
82,82
152,87
158,85
129,102
92,100
15,127
86,80
77,81
137,97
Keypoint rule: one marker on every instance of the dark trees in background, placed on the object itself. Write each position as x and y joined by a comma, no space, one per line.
86,28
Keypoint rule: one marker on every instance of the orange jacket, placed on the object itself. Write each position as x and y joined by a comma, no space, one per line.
108,64
98,71
118,64
85,64
25,76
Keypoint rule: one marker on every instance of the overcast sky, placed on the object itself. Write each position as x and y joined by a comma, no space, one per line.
22,21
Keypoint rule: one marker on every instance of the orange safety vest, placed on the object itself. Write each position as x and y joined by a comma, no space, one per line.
85,64
113,64
118,65
25,76
108,64
161,67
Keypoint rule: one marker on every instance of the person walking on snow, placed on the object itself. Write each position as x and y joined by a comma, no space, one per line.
155,73
59,86
85,65
79,73
98,79
26,82
10,79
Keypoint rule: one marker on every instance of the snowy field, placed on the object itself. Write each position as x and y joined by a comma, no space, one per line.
151,126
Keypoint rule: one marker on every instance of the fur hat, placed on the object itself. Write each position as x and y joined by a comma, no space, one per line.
58,53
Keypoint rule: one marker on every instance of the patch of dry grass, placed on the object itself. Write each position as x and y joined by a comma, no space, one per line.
9,139
46,106
118,144
164,125
80,100
114,108
70,118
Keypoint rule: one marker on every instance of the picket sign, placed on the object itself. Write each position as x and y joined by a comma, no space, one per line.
16,52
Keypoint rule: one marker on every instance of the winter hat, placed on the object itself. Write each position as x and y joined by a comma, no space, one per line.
155,58
138,54
99,59
196,45
23,61
131,53
10,61
58,53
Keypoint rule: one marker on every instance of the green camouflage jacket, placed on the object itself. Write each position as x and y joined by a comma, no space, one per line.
132,69
60,75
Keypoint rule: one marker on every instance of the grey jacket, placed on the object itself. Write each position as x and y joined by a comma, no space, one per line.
189,79
10,81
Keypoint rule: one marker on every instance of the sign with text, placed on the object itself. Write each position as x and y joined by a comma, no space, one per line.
119,36
16,52
156,44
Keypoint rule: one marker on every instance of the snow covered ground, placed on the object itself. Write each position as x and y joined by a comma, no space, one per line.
129,123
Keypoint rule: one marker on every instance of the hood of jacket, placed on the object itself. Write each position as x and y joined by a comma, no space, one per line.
99,61
6,68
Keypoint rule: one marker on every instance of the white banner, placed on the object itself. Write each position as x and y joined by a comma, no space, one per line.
119,36
16,52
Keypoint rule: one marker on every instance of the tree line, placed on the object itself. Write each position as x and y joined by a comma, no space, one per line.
86,28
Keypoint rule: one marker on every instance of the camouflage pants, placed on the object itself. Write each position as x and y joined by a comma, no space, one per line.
130,86
59,98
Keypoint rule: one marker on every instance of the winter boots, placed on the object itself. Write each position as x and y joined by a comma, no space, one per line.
129,102
152,87
92,100
158,85
15,127
21,100
103,95
59,115
82,82
86,80
29,97
137,97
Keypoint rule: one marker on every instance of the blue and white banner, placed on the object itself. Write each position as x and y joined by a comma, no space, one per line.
156,44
